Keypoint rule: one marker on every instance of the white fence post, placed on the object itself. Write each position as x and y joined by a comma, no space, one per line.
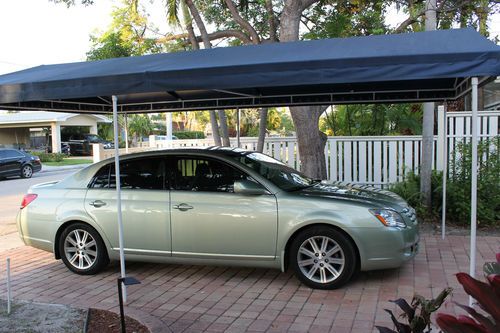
97,152
441,119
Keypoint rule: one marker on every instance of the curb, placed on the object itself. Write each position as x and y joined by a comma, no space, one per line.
47,169
153,323
86,321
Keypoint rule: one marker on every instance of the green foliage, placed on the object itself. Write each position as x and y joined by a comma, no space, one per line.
488,188
417,315
189,135
373,119
346,19
126,35
140,125
48,157
409,189
459,186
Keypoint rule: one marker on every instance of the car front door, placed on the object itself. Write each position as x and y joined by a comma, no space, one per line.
145,206
2,163
209,220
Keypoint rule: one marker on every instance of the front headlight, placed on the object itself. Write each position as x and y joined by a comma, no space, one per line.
388,217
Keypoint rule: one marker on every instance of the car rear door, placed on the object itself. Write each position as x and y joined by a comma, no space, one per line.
145,206
210,220
12,162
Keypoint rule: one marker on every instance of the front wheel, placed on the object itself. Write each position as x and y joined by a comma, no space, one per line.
82,249
26,171
323,258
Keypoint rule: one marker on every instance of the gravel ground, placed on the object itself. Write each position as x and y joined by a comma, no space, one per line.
27,317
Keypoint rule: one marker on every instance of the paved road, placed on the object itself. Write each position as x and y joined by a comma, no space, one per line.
11,195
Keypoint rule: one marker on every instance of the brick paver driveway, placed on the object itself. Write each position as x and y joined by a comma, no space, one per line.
221,299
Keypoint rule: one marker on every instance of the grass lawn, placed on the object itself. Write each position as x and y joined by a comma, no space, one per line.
69,161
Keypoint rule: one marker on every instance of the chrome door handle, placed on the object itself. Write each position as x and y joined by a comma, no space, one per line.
182,207
97,203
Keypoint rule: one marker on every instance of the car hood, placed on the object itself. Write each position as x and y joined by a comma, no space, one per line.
357,193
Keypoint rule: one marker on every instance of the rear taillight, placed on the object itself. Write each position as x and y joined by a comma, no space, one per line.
28,198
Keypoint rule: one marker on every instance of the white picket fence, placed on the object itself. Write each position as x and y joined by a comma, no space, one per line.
374,160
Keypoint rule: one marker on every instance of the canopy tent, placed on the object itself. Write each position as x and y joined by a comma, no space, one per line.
425,66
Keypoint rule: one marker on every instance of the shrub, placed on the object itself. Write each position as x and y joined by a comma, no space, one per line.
459,186
189,135
48,157
417,315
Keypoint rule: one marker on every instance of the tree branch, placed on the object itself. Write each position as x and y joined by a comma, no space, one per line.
199,22
212,36
304,4
242,22
272,21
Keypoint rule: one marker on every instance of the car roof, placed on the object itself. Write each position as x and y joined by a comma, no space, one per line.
213,150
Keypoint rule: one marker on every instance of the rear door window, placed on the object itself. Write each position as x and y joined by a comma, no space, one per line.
12,154
136,174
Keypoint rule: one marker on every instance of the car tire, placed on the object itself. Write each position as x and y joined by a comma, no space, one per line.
82,249
323,257
26,171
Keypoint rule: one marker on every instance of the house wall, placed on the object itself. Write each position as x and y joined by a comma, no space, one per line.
8,137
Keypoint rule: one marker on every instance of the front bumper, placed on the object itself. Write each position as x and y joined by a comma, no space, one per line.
388,247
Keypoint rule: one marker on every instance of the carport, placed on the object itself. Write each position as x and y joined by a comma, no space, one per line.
418,67
20,124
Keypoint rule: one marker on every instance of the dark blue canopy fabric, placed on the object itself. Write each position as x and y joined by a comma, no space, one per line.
384,68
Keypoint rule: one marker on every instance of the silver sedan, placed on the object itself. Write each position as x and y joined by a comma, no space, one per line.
222,207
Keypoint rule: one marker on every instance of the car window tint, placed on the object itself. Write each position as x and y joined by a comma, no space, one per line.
206,175
101,178
140,174
12,153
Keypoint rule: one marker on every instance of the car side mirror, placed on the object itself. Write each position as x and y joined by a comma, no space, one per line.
249,187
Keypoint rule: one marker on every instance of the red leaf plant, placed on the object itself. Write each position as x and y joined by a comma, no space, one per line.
487,296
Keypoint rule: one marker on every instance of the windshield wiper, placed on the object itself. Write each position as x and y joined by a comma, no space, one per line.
313,183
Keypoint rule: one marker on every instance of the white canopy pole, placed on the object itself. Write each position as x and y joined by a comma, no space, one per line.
169,129
473,194
118,194
238,127
445,170
126,133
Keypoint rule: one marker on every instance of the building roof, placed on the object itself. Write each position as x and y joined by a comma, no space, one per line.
27,117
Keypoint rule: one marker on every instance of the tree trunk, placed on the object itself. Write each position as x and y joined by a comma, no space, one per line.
206,43
223,128
262,129
310,140
215,128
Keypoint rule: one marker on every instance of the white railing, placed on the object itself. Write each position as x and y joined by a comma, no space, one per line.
375,160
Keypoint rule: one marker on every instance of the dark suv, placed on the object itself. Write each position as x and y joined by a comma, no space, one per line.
81,144
18,163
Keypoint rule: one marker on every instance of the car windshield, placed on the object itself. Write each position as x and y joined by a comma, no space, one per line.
281,175
92,138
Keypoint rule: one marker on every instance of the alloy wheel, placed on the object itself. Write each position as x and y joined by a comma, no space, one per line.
321,259
80,249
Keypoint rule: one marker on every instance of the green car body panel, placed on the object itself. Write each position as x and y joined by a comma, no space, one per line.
220,228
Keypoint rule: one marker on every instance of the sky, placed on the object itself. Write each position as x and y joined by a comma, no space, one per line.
36,32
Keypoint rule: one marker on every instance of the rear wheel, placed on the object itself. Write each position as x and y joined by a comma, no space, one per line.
82,249
26,171
323,258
